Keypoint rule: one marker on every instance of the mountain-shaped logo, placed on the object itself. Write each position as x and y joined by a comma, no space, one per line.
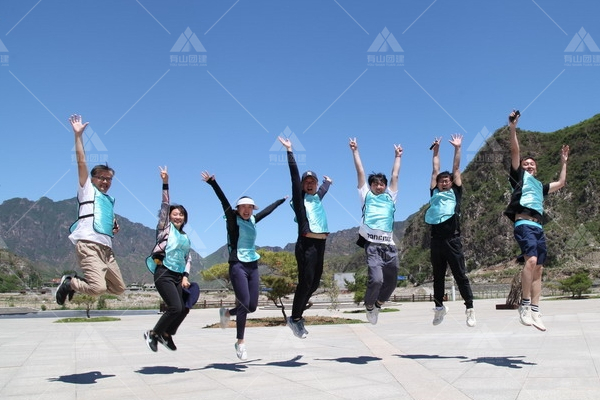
384,41
582,41
481,139
188,40
3,48
91,141
287,133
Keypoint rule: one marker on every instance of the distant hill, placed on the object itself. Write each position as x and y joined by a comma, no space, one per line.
34,234
573,233
38,231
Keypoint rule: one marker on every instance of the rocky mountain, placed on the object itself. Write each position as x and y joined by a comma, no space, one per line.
35,233
573,229
38,231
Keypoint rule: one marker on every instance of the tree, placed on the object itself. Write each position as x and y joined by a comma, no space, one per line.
576,284
331,287
217,271
85,300
282,281
359,286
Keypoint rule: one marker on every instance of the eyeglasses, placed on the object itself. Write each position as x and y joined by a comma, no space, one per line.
103,178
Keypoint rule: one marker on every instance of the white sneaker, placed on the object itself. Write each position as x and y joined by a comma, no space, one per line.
440,312
240,350
372,315
471,321
525,315
536,319
223,318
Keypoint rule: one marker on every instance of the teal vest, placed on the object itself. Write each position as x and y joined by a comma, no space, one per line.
379,211
176,252
442,206
315,214
532,193
103,213
246,251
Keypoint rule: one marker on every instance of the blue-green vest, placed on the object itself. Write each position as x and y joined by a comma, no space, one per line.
315,214
379,211
103,213
176,252
246,251
442,206
532,193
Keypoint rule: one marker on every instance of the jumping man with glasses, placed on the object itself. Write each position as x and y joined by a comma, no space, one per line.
94,229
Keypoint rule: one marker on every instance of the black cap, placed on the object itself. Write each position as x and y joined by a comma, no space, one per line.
309,173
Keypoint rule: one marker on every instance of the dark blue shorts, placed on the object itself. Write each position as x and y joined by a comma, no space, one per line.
532,242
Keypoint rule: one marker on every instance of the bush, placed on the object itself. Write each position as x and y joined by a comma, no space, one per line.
576,284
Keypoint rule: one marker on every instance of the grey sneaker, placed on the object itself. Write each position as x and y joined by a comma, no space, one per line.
536,321
240,350
440,312
297,327
471,321
372,315
525,315
223,318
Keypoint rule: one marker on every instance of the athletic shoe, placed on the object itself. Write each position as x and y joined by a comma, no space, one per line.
304,331
151,341
525,315
64,290
372,315
536,321
440,312
223,318
308,305
240,350
297,327
167,341
471,321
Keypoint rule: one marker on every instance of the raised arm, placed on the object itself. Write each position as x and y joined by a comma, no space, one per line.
163,217
515,153
269,209
360,172
396,168
435,160
562,178
78,128
210,179
456,141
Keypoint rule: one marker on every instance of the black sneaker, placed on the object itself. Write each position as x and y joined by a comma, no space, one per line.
167,342
64,290
151,341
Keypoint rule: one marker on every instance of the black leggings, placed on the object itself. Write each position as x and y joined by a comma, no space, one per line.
245,281
168,284
309,256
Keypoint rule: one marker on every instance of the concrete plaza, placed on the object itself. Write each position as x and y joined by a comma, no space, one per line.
402,357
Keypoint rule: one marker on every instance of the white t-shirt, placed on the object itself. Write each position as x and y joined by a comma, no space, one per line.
85,228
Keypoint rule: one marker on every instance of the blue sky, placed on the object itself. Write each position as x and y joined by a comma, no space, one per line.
269,68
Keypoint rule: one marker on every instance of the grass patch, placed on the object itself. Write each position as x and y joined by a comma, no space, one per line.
93,319
363,311
279,321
